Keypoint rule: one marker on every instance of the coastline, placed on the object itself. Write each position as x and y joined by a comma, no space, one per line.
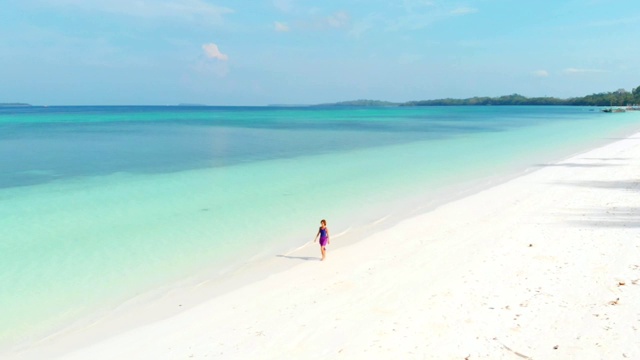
373,292
356,203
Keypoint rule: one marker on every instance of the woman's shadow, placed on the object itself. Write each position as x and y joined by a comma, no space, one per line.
306,258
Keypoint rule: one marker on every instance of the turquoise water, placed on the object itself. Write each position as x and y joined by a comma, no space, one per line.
99,204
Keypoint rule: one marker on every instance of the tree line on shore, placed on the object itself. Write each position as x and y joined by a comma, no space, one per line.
14,104
619,97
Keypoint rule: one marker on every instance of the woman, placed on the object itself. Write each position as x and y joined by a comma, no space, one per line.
323,232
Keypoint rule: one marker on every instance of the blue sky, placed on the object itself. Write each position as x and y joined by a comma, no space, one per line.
162,52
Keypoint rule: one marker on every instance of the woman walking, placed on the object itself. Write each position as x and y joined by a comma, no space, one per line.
323,232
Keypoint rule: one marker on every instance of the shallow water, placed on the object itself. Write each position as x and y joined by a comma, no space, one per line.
99,204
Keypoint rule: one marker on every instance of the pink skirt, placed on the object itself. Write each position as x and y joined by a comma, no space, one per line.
323,241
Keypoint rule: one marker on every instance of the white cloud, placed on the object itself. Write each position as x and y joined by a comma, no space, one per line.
463,11
280,27
211,51
571,71
541,73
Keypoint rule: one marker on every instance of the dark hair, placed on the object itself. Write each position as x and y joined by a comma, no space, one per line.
324,222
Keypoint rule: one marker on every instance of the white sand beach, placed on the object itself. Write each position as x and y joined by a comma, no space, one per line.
544,266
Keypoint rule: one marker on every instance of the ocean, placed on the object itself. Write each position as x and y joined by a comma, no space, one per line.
101,204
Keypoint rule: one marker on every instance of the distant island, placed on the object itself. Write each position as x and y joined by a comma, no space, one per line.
362,103
619,97
14,105
289,105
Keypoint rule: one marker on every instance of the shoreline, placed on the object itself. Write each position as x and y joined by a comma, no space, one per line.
374,255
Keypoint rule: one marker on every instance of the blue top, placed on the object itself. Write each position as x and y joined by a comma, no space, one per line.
323,232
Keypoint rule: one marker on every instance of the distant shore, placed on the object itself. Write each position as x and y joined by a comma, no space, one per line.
15,105
618,98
